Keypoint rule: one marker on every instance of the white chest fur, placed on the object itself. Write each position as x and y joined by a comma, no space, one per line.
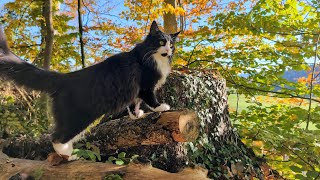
164,68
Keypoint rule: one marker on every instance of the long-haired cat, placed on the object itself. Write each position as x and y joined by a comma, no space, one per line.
109,87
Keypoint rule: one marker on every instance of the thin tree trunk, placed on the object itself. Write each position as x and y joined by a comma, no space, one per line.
81,35
181,17
47,13
170,21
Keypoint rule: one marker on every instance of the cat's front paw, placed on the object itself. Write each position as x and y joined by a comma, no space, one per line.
162,107
140,113
137,115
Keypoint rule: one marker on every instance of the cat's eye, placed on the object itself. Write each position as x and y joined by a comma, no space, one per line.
171,45
162,43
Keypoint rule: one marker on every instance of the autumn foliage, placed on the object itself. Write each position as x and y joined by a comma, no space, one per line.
251,43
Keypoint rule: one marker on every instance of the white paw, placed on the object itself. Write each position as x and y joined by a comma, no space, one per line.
72,158
162,107
137,116
140,113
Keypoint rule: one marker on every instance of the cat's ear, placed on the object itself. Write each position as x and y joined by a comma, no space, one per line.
175,35
154,29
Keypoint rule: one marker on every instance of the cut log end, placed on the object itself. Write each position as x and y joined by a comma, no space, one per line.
184,125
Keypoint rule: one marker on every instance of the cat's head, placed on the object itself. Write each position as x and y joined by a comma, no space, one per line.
162,44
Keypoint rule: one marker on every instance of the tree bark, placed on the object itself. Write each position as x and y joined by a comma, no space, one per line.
154,129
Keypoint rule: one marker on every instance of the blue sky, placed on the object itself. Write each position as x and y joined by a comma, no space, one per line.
3,2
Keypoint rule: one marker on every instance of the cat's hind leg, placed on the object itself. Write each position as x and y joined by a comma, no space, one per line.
64,137
65,149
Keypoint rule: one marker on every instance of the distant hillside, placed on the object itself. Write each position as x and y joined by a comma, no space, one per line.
293,76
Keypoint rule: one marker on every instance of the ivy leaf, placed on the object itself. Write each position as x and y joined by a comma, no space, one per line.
312,174
122,155
299,176
111,158
295,169
91,155
119,162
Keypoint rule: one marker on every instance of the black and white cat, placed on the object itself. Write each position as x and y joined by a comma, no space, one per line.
109,87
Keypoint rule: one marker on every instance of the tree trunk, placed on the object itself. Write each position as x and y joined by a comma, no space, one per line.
182,17
47,55
170,21
47,13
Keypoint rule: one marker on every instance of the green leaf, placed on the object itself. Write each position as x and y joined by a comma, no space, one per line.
122,155
134,156
75,151
111,158
299,176
91,155
295,169
312,174
119,162
97,155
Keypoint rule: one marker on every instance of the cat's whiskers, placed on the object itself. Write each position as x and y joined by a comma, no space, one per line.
148,55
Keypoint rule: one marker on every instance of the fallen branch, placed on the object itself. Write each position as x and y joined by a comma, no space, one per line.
22,168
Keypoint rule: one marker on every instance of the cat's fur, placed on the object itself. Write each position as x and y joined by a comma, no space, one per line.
109,87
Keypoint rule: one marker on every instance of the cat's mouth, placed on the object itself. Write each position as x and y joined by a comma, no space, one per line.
164,54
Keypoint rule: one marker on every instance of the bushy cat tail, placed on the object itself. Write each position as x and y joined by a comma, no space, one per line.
25,74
